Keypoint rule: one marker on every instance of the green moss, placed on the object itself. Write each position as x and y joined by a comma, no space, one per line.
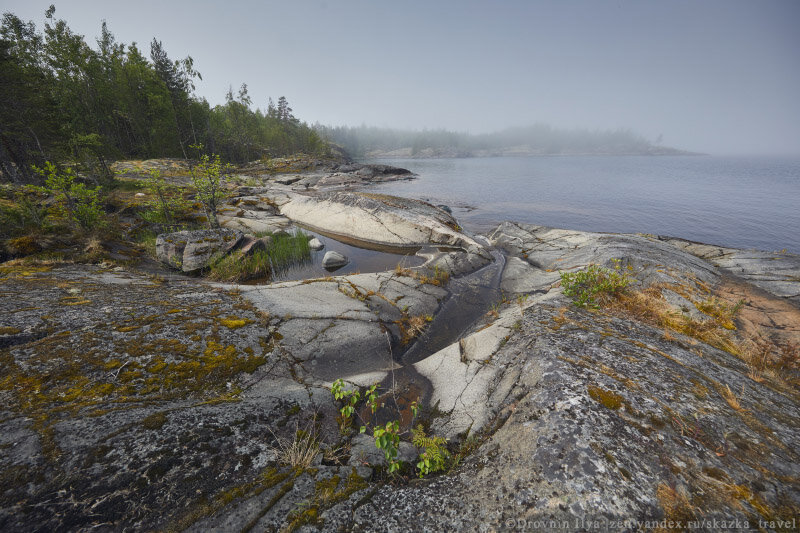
9,331
606,398
22,270
234,323
155,421
75,300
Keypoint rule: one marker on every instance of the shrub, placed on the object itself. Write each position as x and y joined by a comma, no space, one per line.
25,214
594,283
166,203
208,177
80,204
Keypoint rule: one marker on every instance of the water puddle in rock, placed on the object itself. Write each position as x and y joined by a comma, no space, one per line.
363,257
471,297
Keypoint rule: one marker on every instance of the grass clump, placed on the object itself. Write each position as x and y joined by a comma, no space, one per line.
594,285
282,252
300,451
721,311
438,277
412,327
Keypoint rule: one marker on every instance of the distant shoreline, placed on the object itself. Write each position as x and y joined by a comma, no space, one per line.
408,153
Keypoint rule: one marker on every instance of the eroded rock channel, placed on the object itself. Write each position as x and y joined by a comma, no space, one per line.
133,401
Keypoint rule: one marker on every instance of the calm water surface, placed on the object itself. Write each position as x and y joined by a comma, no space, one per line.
742,202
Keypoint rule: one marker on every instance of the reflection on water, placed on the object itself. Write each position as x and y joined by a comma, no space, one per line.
361,260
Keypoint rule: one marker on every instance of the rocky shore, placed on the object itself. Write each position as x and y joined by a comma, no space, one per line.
151,400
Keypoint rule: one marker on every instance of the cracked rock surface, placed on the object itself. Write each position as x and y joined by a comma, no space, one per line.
135,402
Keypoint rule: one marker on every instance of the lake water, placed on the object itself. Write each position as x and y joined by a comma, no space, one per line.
742,202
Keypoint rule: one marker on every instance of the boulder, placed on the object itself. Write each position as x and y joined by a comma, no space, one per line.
315,244
250,245
377,219
192,250
334,260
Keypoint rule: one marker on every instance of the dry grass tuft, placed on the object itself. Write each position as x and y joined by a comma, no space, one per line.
675,504
437,276
765,357
648,305
300,451
412,326
730,397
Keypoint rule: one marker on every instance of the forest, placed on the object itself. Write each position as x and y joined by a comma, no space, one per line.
538,139
62,99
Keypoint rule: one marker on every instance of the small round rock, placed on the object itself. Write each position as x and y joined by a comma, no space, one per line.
333,260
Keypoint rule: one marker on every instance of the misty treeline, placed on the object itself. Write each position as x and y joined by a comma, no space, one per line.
64,100
542,139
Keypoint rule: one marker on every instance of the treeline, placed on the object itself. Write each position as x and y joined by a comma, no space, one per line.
63,100
539,139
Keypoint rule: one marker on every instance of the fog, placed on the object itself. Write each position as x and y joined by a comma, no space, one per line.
717,76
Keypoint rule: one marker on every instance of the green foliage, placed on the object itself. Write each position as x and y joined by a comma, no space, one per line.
63,99
166,203
435,456
208,177
25,215
387,439
350,398
80,204
282,252
594,283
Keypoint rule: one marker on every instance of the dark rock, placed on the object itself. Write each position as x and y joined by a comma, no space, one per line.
190,251
250,245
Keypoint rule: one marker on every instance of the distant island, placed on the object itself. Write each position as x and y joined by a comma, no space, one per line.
538,139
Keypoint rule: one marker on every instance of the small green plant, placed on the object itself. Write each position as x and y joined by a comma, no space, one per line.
165,204
594,283
208,177
435,456
350,399
80,204
26,213
387,439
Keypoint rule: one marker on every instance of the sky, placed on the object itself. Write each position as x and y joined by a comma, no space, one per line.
715,76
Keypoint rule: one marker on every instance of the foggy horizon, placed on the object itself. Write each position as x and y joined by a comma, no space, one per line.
716,77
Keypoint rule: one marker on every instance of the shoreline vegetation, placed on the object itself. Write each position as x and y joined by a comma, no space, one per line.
71,103
625,376
537,140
